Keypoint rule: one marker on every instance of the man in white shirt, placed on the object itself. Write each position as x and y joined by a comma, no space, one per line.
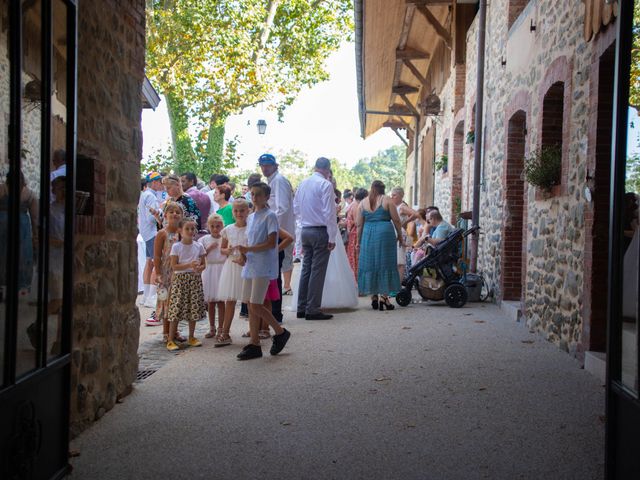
315,207
281,202
59,161
148,227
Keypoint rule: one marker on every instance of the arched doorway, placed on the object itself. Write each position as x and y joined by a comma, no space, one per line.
597,212
513,229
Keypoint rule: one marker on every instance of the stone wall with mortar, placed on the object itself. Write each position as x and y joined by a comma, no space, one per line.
106,325
555,229
442,183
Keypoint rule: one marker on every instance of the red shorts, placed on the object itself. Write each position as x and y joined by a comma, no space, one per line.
273,293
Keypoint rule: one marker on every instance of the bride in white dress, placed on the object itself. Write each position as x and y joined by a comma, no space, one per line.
340,288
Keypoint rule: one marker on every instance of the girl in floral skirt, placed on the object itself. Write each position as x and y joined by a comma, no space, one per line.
165,239
186,302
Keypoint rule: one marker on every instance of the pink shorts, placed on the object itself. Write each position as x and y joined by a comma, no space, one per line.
273,293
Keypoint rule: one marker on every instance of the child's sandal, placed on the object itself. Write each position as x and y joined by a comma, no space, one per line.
264,334
211,333
222,340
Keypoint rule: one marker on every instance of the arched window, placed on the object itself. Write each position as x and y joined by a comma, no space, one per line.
445,156
514,203
515,9
552,116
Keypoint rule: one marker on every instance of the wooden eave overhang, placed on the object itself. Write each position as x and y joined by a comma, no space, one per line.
395,41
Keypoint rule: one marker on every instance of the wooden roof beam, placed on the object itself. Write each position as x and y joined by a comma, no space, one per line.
393,124
403,89
409,104
411,54
437,26
429,2
415,71
397,109
402,139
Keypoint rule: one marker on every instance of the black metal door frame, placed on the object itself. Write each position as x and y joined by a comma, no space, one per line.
34,407
622,404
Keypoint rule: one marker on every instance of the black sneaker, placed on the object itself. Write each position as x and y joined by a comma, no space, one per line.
250,351
279,341
300,314
319,316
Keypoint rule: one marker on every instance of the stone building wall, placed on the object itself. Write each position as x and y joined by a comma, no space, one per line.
442,182
106,321
554,237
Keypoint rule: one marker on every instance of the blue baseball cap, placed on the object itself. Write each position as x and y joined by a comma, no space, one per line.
150,177
267,159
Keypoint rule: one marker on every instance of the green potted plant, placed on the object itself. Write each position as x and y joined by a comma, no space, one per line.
543,167
442,163
471,137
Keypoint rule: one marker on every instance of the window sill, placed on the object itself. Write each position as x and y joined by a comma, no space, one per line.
541,195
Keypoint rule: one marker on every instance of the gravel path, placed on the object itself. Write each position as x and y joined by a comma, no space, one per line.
424,392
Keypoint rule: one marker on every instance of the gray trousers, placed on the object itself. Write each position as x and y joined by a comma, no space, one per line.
315,246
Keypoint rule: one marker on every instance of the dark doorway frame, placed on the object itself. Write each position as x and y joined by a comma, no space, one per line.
598,176
622,405
34,418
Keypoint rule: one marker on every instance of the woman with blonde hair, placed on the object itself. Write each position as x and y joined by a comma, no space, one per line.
379,233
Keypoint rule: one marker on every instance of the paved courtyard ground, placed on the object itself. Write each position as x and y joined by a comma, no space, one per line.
423,392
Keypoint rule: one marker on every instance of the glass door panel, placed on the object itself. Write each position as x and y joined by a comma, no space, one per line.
5,106
58,178
630,222
30,182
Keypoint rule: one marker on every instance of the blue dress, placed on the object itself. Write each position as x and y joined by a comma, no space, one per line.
377,267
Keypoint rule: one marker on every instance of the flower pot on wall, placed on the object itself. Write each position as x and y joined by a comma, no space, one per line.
543,169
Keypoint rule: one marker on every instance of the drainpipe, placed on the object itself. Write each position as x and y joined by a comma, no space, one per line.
479,129
416,163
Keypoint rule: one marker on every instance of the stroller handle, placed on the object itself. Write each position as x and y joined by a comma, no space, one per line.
473,229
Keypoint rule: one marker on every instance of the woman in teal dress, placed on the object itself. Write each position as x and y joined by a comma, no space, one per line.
379,232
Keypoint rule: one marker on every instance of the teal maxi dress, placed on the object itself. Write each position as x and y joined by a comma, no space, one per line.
377,269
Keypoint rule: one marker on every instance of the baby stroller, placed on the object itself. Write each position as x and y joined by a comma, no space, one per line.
438,276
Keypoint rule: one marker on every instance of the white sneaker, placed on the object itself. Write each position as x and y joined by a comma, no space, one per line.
151,302
141,300
152,321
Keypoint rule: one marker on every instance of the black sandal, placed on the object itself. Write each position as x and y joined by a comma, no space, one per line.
385,303
374,302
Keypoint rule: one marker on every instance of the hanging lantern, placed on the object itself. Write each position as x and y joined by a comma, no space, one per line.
262,126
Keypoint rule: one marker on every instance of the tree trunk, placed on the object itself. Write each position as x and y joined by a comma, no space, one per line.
272,8
215,146
183,155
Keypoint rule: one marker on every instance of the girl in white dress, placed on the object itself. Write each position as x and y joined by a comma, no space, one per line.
230,288
213,271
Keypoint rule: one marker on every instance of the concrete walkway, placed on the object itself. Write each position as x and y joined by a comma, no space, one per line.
424,392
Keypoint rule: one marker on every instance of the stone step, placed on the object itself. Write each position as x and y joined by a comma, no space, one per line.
511,309
596,364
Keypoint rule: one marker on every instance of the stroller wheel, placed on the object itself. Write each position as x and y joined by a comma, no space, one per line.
455,295
403,298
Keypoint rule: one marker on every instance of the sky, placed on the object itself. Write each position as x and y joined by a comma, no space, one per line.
323,121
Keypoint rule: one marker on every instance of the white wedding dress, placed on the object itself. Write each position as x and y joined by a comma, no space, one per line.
340,288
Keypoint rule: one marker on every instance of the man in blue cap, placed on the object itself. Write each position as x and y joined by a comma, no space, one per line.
281,202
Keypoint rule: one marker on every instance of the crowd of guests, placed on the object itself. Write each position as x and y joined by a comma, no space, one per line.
384,236
209,247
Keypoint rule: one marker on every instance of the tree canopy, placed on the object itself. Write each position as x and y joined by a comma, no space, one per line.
387,165
213,58
634,86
